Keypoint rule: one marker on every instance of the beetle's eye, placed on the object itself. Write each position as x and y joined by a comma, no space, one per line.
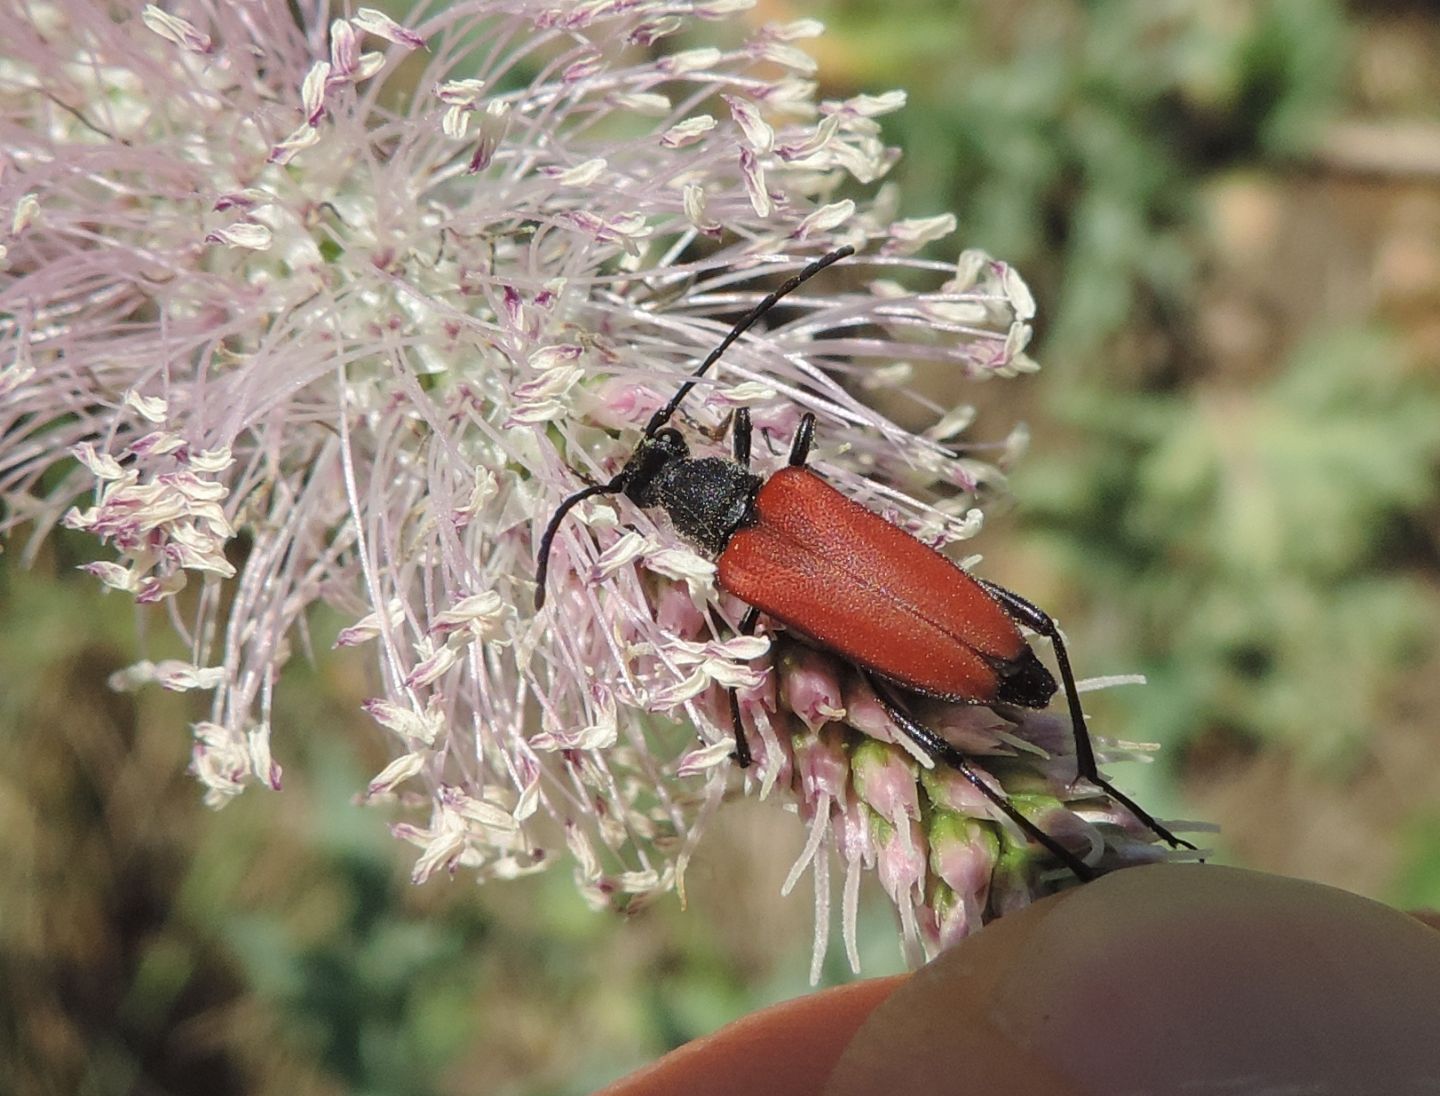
668,437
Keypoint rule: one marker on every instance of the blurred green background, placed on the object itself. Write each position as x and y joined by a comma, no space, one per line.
1229,211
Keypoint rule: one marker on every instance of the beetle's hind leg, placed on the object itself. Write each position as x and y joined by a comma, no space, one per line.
942,750
1032,616
742,744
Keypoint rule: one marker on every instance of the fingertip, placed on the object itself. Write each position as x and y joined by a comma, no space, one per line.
1166,978
787,1049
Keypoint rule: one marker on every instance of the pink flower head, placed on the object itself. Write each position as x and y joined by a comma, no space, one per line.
259,278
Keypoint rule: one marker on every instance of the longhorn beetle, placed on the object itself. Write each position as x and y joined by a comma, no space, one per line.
850,582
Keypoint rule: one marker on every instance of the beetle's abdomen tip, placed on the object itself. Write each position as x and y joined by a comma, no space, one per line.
1024,681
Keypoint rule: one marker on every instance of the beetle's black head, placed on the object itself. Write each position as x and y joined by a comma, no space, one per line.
706,499
655,453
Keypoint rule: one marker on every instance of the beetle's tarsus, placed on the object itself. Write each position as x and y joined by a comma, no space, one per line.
1037,619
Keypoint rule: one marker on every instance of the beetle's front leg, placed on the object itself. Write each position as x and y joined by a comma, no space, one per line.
740,440
804,436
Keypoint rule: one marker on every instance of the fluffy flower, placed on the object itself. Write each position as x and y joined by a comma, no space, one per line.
338,310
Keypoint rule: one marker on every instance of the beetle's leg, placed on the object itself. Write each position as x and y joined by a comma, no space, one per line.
742,744
740,440
804,435
941,750
1040,621
711,433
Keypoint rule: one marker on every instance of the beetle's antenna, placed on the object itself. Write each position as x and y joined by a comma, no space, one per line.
614,487
662,416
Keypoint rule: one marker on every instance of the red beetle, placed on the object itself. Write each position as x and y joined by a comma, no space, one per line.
849,582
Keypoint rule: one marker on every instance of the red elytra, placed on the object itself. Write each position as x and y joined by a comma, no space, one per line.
829,569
